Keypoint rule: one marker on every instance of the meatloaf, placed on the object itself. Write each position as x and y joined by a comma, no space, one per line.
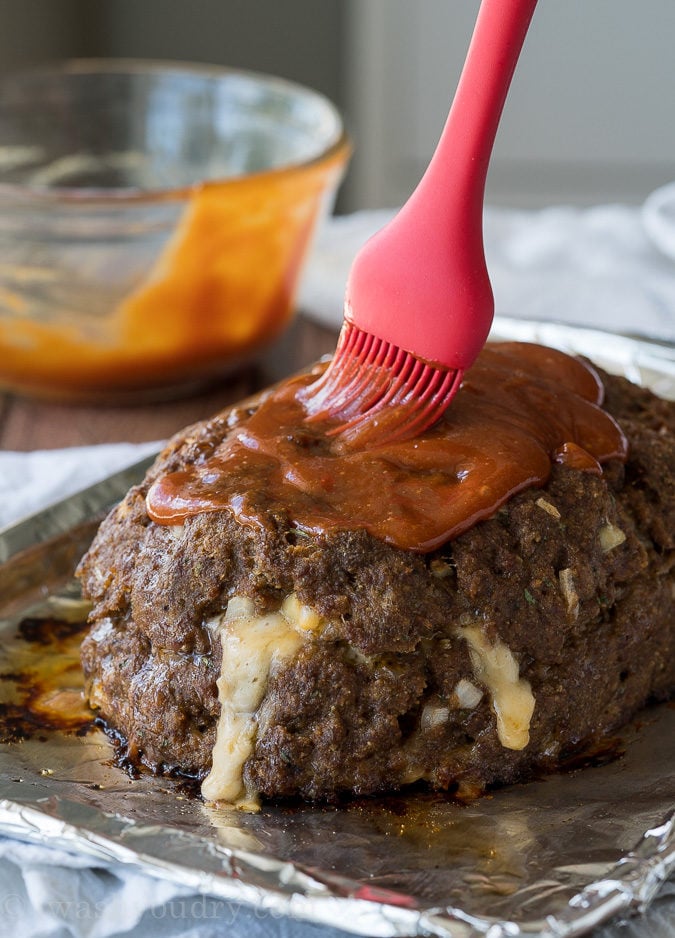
269,661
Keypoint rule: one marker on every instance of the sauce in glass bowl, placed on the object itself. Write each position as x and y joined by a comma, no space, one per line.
154,219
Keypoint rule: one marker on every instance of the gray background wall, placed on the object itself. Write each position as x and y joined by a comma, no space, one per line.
299,39
590,116
589,119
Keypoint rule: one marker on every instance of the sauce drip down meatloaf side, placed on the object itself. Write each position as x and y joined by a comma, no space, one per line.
282,656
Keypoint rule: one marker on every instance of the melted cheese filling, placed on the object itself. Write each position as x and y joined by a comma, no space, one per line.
254,646
512,700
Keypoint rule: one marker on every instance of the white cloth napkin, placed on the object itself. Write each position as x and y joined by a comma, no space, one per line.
597,267
31,481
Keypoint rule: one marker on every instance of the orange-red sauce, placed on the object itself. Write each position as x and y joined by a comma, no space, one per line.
520,408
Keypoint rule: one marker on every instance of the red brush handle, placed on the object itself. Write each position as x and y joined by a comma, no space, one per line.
421,283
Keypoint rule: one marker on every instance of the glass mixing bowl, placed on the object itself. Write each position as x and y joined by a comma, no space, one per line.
154,218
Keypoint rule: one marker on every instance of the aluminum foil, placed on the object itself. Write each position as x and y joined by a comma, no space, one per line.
555,857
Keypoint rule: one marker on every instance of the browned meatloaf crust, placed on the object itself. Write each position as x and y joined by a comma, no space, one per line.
371,702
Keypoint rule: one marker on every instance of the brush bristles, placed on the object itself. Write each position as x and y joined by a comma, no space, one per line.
378,390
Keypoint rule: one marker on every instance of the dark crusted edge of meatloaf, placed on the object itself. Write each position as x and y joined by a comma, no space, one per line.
346,716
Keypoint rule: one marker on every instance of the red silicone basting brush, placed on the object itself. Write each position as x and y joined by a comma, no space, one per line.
419,304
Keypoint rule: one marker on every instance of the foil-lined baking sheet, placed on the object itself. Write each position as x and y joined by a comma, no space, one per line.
555,857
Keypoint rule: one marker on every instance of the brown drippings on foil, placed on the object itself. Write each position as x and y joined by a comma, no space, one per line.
41,684
520,408
41,693
593,754
180,782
